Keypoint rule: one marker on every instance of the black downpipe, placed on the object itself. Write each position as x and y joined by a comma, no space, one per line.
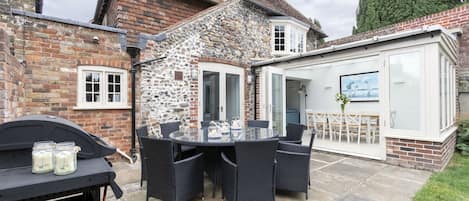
134,53
254,81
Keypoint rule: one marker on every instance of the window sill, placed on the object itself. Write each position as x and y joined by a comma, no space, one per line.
104,107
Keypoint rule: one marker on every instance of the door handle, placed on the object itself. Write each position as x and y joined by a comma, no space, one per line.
221,108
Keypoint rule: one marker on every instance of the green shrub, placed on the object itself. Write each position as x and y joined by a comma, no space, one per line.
462,143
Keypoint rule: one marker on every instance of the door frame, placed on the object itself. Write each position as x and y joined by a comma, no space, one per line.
266,95
222,69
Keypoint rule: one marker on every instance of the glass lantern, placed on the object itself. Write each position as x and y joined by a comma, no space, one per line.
65,158
43,157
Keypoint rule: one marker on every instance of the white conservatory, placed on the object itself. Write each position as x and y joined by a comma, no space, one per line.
402,90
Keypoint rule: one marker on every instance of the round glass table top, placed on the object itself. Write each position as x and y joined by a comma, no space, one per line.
200,137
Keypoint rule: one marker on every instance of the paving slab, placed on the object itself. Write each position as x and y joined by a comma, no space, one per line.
333,178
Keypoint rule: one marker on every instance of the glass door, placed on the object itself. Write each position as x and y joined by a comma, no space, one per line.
211,96
273,98
233,98
221,93
403,109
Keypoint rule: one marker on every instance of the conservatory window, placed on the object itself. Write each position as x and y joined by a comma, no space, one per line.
447,93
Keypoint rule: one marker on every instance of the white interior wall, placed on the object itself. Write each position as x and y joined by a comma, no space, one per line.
325,84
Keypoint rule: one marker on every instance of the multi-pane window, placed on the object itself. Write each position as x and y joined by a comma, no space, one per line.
92,88
288,38
101,87
114,87
279,38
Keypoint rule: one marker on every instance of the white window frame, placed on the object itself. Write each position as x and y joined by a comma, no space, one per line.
291,26
103,90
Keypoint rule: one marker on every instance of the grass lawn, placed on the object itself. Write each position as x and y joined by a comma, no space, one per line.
452,184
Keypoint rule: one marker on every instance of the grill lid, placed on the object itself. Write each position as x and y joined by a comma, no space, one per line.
17,138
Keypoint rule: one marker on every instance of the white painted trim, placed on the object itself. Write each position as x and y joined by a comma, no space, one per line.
223,69
103,104
124,107
348,153
289,26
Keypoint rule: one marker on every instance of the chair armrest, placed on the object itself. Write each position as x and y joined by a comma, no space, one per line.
290,147
189,161
292,141
292,171
229,178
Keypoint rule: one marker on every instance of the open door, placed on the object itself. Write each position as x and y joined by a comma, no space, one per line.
273,98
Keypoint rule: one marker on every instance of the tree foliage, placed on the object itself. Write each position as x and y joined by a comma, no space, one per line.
373,14
463,138
317,23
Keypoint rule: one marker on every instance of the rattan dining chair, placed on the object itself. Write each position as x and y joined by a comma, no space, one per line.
168,128
142,132
251,177
258,124
293,163
171,180
294,133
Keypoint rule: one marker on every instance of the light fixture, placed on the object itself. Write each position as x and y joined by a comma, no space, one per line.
249,79
302,89
194,74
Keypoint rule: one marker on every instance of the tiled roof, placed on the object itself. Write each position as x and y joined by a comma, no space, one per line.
284,8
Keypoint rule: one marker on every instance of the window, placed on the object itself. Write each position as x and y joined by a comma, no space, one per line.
279,38
101,88
447,93
289,36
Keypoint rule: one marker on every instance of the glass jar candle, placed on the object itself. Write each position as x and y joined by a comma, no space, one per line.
42,157
65,158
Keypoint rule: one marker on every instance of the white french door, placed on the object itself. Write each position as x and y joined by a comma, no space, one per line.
273,98
221,92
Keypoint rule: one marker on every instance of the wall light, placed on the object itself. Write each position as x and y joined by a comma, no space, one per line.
194,74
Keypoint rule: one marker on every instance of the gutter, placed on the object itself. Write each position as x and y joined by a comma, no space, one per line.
370,41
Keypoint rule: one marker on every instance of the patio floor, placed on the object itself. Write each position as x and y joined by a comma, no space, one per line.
333,177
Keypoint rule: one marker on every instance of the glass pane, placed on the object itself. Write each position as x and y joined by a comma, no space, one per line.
96,87
89,98
117,98
95,77
211,96
117,78
96,97
110,97
232,97
110,78
88,87
277,103
88,77
404,91
118,88
110,88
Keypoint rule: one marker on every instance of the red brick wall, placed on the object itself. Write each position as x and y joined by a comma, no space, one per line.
151,17
11,81
426,155
52,52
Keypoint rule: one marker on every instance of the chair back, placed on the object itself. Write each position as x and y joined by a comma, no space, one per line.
159,157
142,132
204,124
311,141
258,123
255,161
294,131
168,128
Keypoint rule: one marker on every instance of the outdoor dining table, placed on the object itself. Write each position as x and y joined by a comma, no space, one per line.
213,146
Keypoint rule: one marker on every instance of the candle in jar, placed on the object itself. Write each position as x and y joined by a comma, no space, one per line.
42,161
64,163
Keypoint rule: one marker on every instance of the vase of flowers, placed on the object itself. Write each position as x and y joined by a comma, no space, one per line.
343,100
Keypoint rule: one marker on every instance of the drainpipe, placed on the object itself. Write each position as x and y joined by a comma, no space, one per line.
254,81
134,53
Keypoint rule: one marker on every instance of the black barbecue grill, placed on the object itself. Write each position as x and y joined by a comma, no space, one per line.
18,183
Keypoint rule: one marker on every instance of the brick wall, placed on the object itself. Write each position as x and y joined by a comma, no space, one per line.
150,17
52,52
11,81
426,155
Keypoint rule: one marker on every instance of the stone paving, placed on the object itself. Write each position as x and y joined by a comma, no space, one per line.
333,177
